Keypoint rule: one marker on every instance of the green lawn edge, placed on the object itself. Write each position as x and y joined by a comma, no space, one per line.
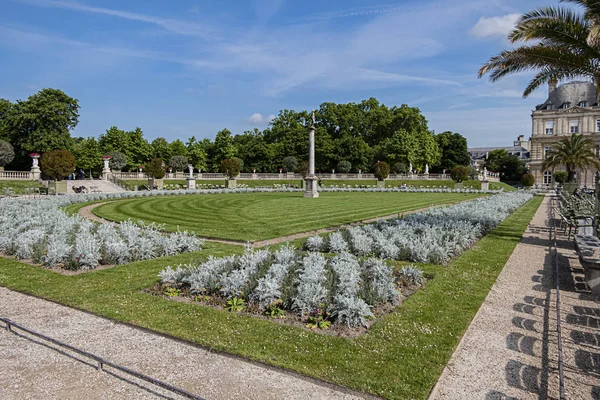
402,355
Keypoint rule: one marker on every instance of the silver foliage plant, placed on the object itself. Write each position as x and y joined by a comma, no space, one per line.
345,285
432,236
39,229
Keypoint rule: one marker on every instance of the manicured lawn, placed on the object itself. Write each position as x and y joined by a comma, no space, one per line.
401,356
258,216
388,183
18,187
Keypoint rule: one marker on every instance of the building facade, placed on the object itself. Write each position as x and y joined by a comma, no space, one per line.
570,108
520,148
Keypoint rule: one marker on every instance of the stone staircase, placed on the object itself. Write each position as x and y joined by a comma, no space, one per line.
95,186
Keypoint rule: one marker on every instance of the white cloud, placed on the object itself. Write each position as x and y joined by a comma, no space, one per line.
173,25
258,119
495,26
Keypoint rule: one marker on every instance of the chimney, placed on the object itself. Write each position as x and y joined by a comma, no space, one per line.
552,83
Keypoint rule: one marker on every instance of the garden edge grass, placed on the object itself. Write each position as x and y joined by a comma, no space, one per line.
415,369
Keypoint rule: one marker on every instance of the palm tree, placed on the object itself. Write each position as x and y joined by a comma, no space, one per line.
565,44
575,151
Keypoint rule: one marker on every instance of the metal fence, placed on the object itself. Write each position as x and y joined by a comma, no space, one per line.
102,363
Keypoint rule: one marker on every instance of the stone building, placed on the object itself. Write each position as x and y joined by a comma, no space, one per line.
520,148
570,108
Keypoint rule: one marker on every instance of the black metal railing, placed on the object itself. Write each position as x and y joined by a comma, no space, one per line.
561,373
118,182
101,362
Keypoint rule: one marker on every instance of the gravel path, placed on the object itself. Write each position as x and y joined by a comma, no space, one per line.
510,349
30,370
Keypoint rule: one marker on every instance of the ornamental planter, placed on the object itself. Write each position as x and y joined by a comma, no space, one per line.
159,183
230,183
569,187
459,185
380,184
58,187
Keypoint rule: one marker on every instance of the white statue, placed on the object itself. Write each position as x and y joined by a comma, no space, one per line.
426,169
410,168
484,173
191,169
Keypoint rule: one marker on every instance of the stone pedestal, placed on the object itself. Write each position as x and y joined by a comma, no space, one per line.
485,185
380,184
191,183
159,183
106,169
311,187
230,183
459,185
57,187
36,173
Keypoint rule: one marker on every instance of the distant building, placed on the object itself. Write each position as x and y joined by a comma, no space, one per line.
520,148
570,108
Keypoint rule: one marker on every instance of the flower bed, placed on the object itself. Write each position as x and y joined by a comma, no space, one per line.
312,287
432,236
40,231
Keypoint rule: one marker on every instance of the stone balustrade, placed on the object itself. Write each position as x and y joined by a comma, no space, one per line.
16,175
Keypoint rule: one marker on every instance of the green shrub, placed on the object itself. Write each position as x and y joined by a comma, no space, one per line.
178,163
527,180
117,161
303,169
290,163
7,153
459,173
58,164
344,166
155,168
382,170
231,167
400,168
560,177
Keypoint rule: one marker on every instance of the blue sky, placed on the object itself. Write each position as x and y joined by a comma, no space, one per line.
189,67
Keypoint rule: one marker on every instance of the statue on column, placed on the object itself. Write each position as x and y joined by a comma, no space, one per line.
426,169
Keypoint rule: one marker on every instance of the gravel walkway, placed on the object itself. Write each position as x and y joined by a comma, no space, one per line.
510,349
30,369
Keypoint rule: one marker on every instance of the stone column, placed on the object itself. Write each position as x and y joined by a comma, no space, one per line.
311,179
36,173
106,169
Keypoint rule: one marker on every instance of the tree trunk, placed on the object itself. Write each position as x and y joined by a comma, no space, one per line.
571,175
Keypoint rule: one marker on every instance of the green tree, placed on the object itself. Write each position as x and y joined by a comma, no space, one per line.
118,160
155,168
39,124
256,153
344,166
138,150
223,148
401,147
459,173
573,152
7,153
560,43
527,180
382,170
560,177
178,148
161,149
290,163
231,167
114,139
178,163
509,166
197,153
87,154
453,147
58,164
